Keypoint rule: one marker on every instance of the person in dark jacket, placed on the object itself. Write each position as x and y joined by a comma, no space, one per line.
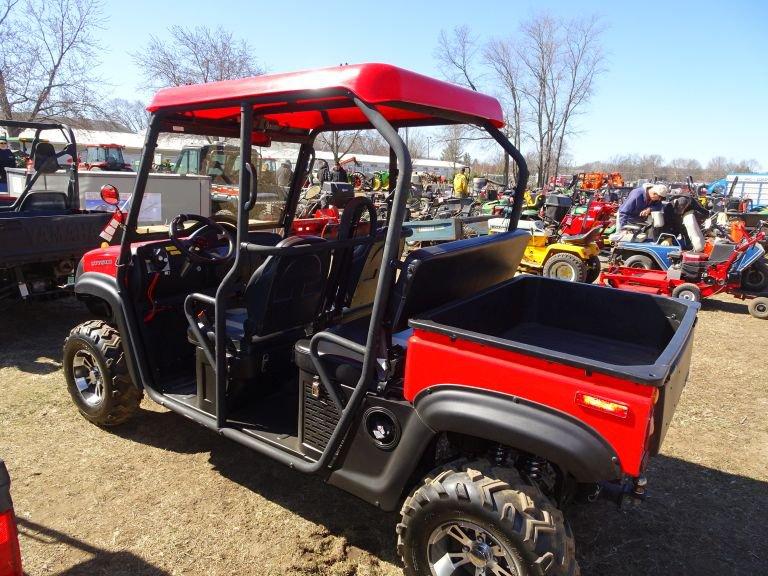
338,174
7,160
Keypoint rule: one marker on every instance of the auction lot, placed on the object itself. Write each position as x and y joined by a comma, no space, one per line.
163,495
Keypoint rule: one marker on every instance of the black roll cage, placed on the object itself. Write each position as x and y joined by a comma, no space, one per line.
216,354
73,186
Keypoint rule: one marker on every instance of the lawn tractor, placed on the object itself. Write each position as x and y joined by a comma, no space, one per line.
477,403
553,253
697,275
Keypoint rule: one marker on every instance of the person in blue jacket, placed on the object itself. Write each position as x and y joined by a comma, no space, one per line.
640,202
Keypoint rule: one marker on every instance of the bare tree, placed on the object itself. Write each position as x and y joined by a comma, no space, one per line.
544,75
371,142
339,143
501,57
193,56
129,113
456,54
581,61
48,64
453,137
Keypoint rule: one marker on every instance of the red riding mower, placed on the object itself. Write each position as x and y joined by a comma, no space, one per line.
697,275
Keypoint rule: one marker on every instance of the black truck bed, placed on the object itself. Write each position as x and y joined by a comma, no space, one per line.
636,337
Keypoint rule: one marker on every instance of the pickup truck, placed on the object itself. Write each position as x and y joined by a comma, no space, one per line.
44,233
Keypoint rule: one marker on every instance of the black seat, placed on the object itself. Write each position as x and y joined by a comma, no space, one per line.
284,294
45,158
431,277
582,239
44,201
439,274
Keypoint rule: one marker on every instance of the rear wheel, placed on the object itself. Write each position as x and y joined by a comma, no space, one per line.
640,261
468,522
593,269
564,266
755,279
96,374
758,307
687,291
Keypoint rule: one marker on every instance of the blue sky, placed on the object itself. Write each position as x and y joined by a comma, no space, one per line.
684,79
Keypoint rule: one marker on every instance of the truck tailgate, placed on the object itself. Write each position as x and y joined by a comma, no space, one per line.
26,239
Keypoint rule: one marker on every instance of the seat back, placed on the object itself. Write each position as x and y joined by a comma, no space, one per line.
440,274
44,201
287,290
45,158
345,270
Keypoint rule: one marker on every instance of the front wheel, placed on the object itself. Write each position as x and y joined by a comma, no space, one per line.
466,522
565,266
96,374
688,292
758,307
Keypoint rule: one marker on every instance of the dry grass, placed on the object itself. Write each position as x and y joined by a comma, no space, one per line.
165,496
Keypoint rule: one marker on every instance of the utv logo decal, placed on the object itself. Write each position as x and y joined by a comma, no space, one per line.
101,263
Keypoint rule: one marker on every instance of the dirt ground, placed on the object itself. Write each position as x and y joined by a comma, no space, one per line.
164,496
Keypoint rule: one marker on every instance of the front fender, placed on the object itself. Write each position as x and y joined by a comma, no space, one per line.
560,438
105,287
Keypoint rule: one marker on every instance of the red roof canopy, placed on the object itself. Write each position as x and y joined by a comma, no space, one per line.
323,98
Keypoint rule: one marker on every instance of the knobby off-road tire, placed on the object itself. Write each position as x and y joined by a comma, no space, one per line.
565,266
521,529
96,374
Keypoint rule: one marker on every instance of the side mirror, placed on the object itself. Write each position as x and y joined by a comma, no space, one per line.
110,195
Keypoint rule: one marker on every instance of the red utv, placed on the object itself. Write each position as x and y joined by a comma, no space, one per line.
477,402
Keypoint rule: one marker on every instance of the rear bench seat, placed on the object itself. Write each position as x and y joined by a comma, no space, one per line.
430,277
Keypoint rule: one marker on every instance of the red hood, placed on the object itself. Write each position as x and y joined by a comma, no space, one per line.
101,260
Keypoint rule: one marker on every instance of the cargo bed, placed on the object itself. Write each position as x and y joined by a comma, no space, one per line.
632,336
551,343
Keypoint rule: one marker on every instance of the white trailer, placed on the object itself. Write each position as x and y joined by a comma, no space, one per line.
167,195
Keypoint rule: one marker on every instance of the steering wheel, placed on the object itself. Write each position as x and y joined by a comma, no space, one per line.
201,246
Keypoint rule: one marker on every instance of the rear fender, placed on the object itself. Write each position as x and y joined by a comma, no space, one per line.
655,252
750,256
558,437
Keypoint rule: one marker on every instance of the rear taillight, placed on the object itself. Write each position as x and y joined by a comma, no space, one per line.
604,405
10,555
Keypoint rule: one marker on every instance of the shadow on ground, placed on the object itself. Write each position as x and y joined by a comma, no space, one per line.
697,520
32,333
99,562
